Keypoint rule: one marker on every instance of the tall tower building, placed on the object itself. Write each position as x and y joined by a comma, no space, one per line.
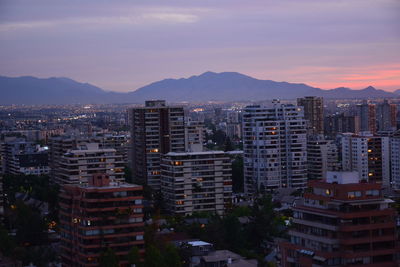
386,116
196,181
341,123
367,116
342,223
368,155
195,136
98,216
322,156
313,112
156,129
275,147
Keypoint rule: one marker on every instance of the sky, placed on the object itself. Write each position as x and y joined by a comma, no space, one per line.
121,45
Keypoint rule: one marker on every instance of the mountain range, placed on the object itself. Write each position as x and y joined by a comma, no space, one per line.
209,86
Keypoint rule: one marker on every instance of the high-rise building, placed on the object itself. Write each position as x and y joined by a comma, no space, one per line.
100,215
395,160
78,165
368,155
341,123
386,116
24,157
342,223
60,145
195,136
156,129
196,181
322,156
313,112
367,116
275,147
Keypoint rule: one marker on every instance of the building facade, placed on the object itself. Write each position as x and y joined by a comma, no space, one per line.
322,156
100,215
275,147
195,136
342,223
77,166
24,157
196,182
367,116
156,129
313,112
386,116
369,155
341,123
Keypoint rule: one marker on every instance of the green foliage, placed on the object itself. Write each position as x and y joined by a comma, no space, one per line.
108,259
219,137
39,256
250,239
7,244
30,226
228,145
134,256
153,257
237,175
128,174
171,256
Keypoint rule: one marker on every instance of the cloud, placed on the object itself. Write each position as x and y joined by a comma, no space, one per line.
103,21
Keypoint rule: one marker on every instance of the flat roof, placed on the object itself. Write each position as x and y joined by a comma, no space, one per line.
198,243
212,152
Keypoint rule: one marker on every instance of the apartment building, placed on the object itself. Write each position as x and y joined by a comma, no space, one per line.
97,216
195,136
78,165
196,181
369,155
314,113
156,129
275,147
343,222
367,116
24,157
322,156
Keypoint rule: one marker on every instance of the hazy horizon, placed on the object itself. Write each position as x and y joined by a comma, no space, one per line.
121,46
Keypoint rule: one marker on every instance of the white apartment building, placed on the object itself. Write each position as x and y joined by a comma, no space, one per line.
195,136
368,155
196,181
78,165
275,147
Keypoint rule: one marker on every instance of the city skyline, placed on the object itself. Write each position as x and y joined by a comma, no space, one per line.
120,46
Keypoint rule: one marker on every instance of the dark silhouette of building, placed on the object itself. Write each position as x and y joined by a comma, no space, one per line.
313,112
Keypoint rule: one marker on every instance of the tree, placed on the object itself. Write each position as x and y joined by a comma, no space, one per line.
30,225
153,257
128,174
237,175
7,244
265,225
171,256
108,258
134,257
228,146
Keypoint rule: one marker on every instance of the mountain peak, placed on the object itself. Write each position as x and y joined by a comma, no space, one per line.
370,88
